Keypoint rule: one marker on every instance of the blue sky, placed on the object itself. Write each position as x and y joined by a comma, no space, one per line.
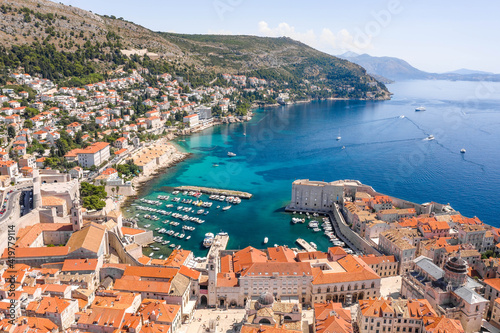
433,36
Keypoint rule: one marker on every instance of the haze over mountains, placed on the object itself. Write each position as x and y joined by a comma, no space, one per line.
396,69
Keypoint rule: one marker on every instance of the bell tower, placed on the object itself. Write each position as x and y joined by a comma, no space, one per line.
213,269
76,215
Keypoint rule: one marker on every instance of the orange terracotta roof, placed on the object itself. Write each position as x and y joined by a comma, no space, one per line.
281,268
132,231
47,305
35,252
151,272
72,265
246,257
442,325
190,273
134,285
281,254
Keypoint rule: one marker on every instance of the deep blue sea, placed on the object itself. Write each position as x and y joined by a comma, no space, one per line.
382,149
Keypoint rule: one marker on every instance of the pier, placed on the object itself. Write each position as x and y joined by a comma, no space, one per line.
305,245
219,244
209,190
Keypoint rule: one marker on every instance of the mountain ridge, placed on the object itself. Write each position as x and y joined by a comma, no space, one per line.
398,69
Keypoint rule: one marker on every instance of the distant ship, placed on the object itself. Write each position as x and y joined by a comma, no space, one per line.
339,137
430,137
230,154
463,150
420,108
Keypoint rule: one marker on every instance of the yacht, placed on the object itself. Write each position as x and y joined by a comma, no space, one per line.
231,154
430,137
188,237
420,108
463,150
222,233
226,207
209,239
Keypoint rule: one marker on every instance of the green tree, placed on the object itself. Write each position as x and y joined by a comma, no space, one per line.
93,202
11,131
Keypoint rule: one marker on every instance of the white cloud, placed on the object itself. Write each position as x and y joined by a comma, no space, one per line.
327,40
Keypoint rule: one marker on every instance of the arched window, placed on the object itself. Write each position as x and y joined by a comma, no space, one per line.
373,284
349,287
335,289
328,289
356,286
319,290
342,288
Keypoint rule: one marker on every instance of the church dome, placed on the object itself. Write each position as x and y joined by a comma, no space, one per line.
266,299
456,265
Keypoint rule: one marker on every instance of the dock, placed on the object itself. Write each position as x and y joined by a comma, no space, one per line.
305,245
217,191
219,244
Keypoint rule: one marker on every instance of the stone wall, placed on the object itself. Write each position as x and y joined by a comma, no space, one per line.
367,246
119,247
27,220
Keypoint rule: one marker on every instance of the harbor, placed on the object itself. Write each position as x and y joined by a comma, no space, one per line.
177,219
215,191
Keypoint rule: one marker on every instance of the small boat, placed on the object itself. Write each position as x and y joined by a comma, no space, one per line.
151,254
343,147
313,245
156,249
420,108
430,137
215,165
226,207
209,239
147,225
462,151
222,233
339,137
188,237
172,245
266,240
231,154
402,116
161,256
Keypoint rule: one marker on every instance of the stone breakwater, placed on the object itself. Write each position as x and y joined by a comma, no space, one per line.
209,190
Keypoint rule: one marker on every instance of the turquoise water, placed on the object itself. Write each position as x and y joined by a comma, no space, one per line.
382,149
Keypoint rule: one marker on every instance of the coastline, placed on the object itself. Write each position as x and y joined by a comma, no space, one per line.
140,181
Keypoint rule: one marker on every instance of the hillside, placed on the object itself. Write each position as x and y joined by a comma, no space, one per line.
85,44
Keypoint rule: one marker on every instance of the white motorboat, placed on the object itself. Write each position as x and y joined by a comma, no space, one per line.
266,240
462,151
231,154
226,207
430,137
209,239
420,108
339,137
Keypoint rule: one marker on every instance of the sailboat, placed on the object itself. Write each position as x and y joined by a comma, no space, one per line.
339,137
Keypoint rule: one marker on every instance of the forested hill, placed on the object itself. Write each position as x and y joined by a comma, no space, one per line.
62,42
